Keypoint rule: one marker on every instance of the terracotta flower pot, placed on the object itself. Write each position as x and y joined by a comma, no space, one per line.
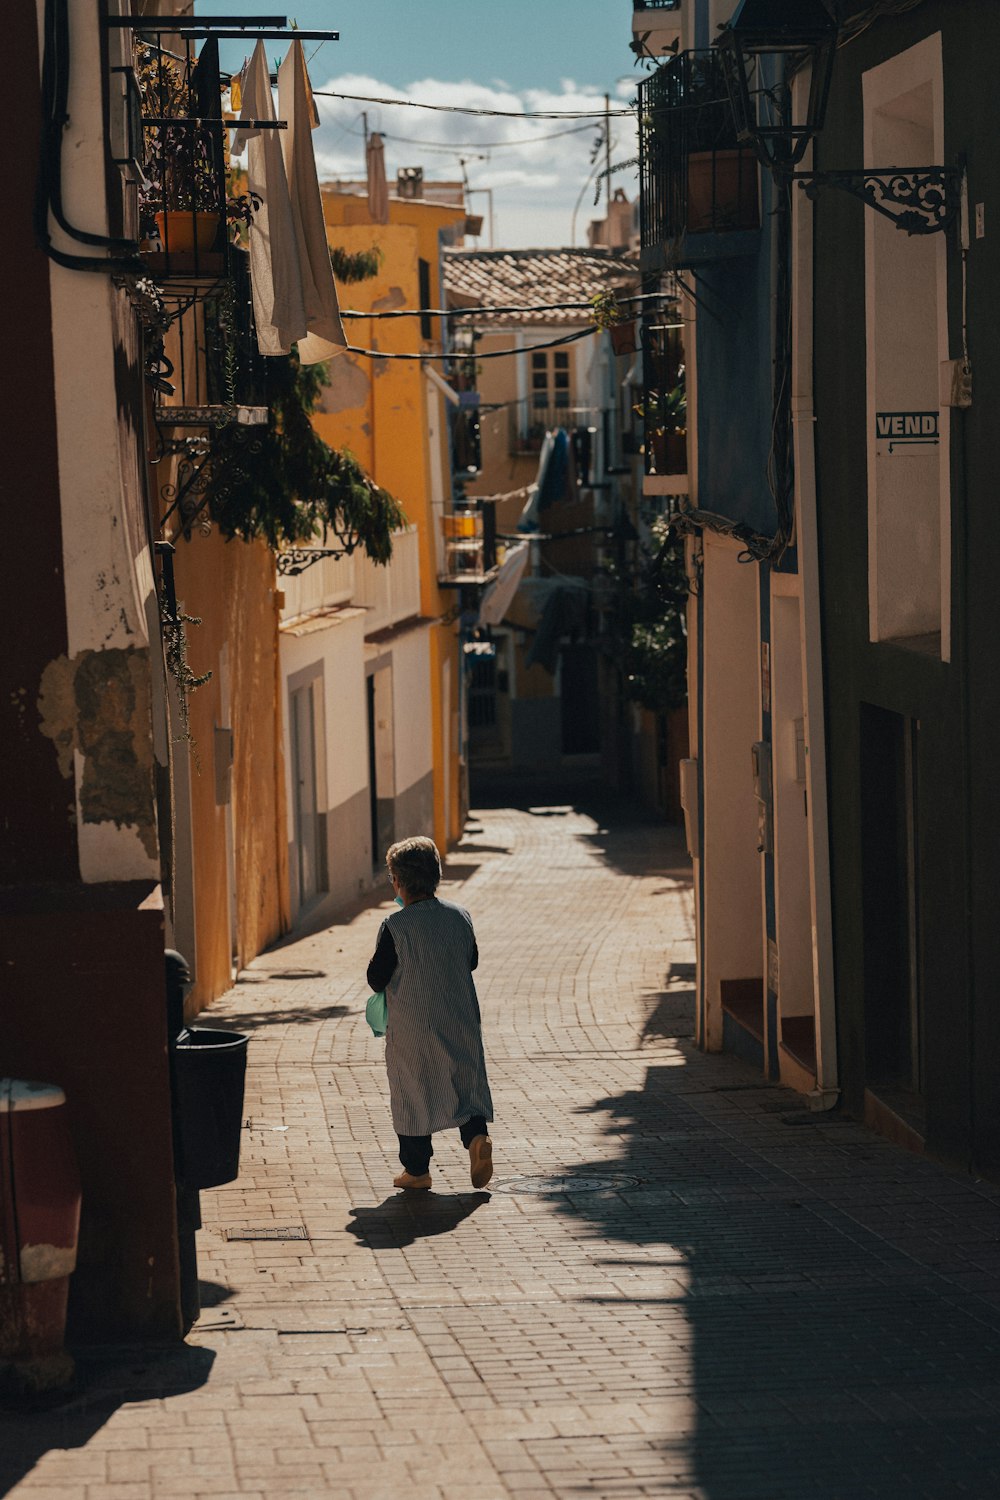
623,337
669,452
722,191
183,231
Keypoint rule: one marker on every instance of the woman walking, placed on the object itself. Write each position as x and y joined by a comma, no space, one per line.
423,960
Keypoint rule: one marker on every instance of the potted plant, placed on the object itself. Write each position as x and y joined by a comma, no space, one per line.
721,175
609,314
183,203
722,190
663,414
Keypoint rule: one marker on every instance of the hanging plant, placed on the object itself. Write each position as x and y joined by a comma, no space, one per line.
285,485
357,265
650,623
607,310
175,649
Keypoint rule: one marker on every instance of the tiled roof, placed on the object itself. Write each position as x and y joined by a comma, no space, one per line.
523,278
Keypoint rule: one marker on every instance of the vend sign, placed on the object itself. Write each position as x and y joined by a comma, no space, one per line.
906,429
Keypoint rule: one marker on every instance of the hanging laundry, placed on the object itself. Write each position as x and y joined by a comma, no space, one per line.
378,192
497,598
581,453
564,613
296,104
552,481
278,304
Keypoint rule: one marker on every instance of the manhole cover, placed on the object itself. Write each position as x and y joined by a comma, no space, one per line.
556,1187
270,1232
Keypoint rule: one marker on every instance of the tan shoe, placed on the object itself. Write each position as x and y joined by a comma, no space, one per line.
407,1180
481,1160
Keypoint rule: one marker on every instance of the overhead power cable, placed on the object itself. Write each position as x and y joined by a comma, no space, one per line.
569,338
463,109
521,140
478,312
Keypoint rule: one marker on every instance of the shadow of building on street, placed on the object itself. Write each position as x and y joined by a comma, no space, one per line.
818,1357
106,1379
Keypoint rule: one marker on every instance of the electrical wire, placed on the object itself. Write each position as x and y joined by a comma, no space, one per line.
522,140
124,254
569,338
463,109
477,312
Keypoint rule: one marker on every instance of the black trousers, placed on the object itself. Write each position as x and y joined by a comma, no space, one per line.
415,1151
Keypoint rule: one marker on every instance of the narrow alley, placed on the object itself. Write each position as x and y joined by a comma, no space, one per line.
681,1282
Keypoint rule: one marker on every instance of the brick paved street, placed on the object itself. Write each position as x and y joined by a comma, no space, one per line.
721,1296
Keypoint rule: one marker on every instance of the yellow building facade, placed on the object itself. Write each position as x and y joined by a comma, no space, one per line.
390,414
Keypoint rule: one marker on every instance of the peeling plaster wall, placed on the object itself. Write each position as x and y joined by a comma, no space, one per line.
81,919
95,709
100,710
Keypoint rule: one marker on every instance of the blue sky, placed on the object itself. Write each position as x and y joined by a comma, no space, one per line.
504,54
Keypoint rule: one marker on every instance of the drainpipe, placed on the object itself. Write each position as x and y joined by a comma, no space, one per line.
827,1090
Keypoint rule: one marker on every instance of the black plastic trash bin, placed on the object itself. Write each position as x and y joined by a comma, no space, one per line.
210,1070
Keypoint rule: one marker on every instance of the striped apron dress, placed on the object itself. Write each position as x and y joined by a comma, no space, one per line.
433,1041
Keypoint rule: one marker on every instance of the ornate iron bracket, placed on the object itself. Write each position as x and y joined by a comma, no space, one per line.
294,560
918,200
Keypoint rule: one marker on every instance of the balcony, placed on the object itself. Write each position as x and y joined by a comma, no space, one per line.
209,370
183,212
664,408
656,27
391,594
699,187
529,424
326,585
469,544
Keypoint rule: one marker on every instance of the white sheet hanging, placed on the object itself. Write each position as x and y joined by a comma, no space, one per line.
498,596
325,336
278,304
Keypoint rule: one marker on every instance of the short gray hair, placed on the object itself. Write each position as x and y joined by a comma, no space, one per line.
416,864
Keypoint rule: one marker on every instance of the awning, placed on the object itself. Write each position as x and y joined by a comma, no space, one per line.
498,597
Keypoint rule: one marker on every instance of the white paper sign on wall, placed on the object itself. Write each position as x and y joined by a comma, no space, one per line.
904,431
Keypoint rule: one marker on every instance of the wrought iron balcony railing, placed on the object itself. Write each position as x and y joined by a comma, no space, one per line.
212,371
529,424
695,177
182,197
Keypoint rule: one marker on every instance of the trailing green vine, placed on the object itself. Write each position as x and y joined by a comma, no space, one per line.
358,265
285,485
175,649
650,629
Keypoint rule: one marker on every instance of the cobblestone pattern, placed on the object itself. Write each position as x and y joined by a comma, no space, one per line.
758,1304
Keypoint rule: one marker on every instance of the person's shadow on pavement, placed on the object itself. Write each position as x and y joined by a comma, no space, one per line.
405,1217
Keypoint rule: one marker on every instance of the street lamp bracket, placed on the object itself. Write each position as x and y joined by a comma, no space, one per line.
918,200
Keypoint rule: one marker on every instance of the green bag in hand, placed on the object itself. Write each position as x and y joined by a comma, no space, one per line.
376,1011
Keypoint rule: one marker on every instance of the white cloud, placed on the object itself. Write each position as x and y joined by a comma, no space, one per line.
517,158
